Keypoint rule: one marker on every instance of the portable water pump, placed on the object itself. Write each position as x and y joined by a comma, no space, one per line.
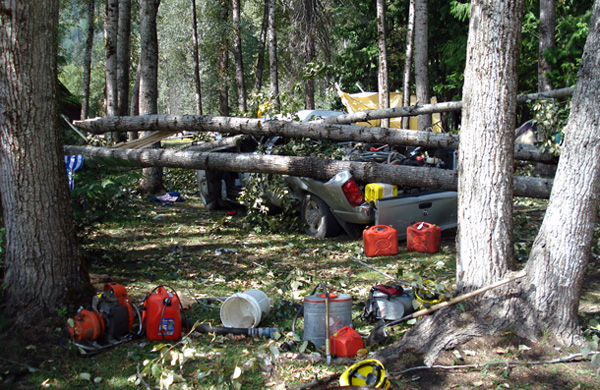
107,323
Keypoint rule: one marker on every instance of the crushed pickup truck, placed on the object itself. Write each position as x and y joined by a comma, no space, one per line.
341,203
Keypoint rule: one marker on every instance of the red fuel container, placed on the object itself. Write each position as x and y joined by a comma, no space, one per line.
346,342
380,240
162,316
423,237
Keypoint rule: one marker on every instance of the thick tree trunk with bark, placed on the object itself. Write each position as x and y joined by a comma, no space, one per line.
239,58
421,59
410,28
484,242
87,59
151,182
384,90
123,55
376,135
43,270
546,300
273,67
316,168
197,82
561,250
547,41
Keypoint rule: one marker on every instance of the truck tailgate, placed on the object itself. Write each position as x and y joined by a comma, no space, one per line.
439,208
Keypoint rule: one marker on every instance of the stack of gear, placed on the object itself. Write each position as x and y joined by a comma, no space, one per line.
388,303
108,322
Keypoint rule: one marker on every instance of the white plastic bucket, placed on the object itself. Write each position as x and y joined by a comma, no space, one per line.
245,310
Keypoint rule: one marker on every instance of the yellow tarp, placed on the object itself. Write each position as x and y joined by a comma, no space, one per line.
362,101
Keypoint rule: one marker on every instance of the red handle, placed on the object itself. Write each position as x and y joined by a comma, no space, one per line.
380,227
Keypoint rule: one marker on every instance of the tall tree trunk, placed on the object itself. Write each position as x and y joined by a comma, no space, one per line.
485,187
134,107
43,270
273,67
151,182
561,251
484,242
224,61
421,59
197,82
309,84
239,58
87,59
308,29
111,25
260,61
123,55
410,36
384,92
547,41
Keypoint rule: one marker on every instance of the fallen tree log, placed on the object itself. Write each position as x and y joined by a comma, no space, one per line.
269,128
422,109
316,168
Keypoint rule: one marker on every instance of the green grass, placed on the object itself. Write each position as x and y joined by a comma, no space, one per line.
182,246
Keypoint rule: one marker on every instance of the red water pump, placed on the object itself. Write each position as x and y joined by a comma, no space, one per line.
162,315
112,316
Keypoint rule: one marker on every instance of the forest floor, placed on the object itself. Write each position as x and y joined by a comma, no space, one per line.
205,254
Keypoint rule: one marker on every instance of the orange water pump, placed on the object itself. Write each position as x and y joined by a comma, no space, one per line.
112,315
88,325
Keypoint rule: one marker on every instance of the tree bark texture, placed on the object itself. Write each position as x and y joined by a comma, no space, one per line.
87,59
561,250
273,67
134,106
197,82
313,167
302,166
43,269
239,58
376,135
151,182
484,241
111,23
123,55
307,23
384,90
547,41
421,59
260,61
410,34
546,301
421,109
224,60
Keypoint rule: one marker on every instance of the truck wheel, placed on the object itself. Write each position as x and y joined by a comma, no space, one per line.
318,218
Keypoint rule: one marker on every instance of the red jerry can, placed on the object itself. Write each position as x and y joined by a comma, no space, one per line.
162,316
346,342
380,240
423,237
